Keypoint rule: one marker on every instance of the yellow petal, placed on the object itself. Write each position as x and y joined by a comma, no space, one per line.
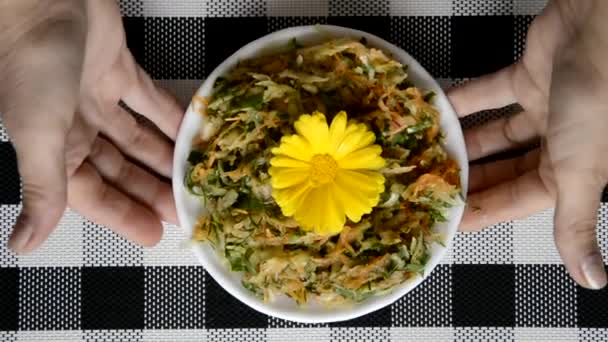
335,214
315,130
294,146
282,177
333,217
309,211
367,182
281,161
337,130
354,205
321,212
290,199
359,191
366,158
356,137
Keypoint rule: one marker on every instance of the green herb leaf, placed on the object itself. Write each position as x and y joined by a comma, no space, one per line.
404,253
294,45
219,82
372,244
419,127
249,286
226,201
437,216
348,61
405,84
346,293
195,157
428,97
249,202
406,140
367,68
414,268
254,101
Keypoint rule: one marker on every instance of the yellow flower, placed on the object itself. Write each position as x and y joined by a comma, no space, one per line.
321,175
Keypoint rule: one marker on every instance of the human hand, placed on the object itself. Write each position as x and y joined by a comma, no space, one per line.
561,82
65,66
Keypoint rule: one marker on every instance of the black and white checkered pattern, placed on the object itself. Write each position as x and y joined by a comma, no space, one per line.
502,284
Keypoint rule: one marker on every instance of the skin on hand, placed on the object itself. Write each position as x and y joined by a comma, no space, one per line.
561,82
66,66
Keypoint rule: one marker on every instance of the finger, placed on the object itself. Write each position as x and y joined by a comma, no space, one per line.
38,97
133,180
499,135
102,203
138,141
41,164
487,175
514,199
578,201
146,98
486,92
79,140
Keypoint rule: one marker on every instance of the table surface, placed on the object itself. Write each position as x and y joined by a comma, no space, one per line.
502,284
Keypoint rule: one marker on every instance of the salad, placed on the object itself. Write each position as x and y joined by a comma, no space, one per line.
253,107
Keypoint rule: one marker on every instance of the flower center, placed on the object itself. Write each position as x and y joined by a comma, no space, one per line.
323,169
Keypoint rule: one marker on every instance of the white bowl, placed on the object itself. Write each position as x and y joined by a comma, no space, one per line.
189,207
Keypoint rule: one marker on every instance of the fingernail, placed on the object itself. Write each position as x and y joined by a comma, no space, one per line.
20,237
593,269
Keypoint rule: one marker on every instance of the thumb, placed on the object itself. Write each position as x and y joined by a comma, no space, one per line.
39,140
41,164
578,201
38,97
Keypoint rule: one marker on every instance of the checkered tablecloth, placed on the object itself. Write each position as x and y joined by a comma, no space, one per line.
503,284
